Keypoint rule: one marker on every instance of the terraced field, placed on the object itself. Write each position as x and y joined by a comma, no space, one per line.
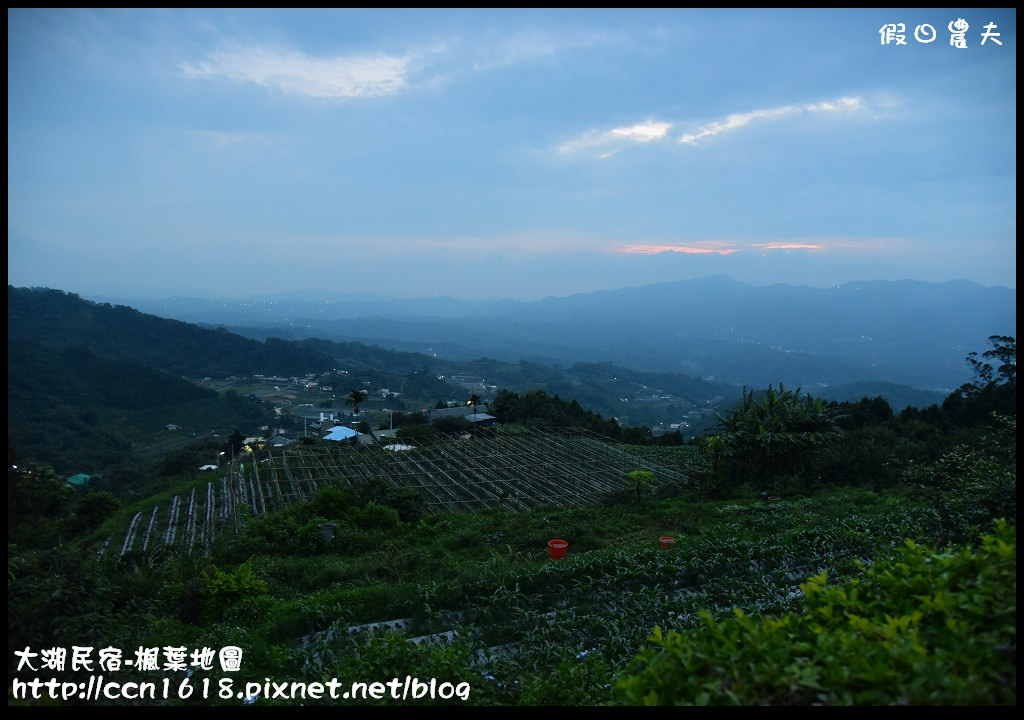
524,470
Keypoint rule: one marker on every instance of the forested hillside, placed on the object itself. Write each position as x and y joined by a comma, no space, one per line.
52,317
77,411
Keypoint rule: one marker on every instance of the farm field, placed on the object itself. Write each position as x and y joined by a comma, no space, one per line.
524,470
476,598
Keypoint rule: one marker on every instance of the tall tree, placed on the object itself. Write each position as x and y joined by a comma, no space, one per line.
994,389
354,398
1004,352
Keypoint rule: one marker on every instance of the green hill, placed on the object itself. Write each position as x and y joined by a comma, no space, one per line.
53,317
74,410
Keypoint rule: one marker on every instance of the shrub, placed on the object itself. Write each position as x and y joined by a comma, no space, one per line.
92,510
406,501
920,628
375,517
330,502
289,531
223,589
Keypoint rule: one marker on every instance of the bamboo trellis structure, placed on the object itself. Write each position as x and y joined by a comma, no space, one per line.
490,469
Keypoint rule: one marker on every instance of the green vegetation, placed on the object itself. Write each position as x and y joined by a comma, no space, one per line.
770,437
640,482
222,590
537,408
354,398
922,627
567,628
810,595
59,319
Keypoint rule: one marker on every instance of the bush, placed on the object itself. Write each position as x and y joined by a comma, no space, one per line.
92,510
921,628
375,517
224,589
407,502
330,502
292,531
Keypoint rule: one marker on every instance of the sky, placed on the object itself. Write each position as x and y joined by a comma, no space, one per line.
487,154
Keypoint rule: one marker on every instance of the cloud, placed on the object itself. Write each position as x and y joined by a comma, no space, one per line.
701,248
529,45
728,247
295,73
526,245
787,246
651,131
845,103
738,120
645,132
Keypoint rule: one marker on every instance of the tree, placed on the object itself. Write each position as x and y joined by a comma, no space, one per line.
639,482
36,505
354,398
1004,351
994,389
236,442
771,434
93,509
473,401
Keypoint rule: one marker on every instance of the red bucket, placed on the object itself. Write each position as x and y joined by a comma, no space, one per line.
666,542
557,548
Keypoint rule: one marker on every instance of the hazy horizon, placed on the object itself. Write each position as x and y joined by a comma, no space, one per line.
309,294
505,154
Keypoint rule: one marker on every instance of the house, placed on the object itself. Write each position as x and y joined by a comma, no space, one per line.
204,468
474,414
481,419
376,437
340,433
172,426
280,441
79,480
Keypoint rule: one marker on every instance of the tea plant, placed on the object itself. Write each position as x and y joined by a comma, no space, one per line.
923,627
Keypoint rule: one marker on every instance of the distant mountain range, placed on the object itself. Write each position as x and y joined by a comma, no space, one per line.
907,332
107,373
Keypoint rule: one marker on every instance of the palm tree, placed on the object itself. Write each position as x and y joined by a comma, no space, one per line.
354,398
473,401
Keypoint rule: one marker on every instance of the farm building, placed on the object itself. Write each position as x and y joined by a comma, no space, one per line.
475,414
340,433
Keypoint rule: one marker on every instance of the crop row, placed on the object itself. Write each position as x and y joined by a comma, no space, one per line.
517,472
604,603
